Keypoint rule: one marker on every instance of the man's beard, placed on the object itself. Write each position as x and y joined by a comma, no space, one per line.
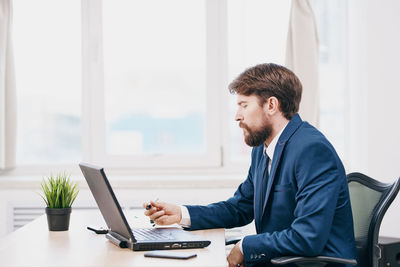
257,137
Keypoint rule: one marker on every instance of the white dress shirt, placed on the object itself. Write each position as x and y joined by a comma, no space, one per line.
269,150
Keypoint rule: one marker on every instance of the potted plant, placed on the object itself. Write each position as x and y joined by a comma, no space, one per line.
59,193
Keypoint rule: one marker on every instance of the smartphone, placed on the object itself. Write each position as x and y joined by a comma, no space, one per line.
170,254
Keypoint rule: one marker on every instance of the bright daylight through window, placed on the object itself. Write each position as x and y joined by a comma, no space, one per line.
47,49
154,79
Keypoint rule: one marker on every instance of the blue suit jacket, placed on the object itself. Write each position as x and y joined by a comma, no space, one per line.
307,206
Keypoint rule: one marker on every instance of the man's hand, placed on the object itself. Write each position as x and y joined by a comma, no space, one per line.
235,257
163,213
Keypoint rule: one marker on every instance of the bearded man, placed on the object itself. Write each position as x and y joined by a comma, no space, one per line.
296,189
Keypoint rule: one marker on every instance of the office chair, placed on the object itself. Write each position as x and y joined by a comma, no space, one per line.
370,200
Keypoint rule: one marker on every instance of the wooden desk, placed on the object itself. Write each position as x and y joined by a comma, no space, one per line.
34,245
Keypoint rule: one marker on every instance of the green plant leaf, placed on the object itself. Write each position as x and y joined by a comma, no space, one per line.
59,191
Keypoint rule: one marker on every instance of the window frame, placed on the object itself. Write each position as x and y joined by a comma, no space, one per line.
93,114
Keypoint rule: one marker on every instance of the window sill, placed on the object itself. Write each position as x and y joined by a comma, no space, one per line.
134,181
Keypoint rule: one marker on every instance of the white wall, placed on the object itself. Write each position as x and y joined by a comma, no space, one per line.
384,89
374,76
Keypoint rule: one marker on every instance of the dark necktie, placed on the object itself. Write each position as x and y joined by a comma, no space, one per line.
264,180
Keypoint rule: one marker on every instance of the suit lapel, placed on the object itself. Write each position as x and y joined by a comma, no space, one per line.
290,129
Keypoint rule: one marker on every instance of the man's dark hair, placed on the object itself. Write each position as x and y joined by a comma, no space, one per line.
266,80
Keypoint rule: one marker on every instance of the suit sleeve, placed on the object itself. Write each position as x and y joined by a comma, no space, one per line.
319,178
234,212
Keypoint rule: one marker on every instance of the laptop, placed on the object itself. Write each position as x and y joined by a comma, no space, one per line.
119,231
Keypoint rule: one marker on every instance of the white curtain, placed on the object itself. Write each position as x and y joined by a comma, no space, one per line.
8,120
302,57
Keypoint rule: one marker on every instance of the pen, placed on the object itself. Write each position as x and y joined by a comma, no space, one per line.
149,207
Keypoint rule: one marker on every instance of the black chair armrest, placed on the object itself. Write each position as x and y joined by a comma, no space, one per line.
319,259
232,240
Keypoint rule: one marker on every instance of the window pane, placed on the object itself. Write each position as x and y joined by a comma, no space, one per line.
257,31
47,42
331,22
155,76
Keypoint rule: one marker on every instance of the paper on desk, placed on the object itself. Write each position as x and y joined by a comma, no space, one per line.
137,219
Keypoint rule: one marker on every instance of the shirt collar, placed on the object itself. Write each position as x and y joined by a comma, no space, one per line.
269,150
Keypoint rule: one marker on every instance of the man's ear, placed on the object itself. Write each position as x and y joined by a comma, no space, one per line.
271,106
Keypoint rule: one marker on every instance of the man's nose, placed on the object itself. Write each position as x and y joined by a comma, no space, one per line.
238,116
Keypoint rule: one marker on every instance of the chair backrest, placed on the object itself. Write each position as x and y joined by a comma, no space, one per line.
369,201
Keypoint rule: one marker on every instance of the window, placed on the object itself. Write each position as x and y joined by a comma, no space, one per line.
155,77
152,84
257,32
47,48
331,21
143,84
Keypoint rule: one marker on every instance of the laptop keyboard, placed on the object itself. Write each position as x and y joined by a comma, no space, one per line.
150,234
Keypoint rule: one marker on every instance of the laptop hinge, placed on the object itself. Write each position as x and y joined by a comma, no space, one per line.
118,240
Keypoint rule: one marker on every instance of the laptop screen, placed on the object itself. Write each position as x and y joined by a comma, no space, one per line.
106,200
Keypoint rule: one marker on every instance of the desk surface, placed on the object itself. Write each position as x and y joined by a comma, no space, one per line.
34,245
